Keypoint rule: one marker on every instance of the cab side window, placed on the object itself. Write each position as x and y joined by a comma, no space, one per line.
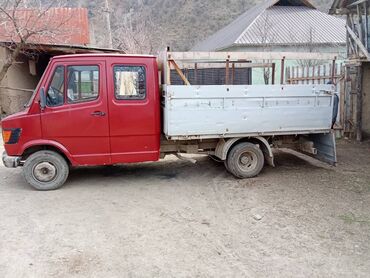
129,82
55,92
83,83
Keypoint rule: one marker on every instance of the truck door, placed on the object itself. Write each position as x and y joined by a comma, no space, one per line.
134,110
76,114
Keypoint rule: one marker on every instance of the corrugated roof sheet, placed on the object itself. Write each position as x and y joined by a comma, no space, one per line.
294,25
273,22
227,36
54,26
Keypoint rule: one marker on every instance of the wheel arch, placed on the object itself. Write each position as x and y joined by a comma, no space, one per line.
33,147
225,145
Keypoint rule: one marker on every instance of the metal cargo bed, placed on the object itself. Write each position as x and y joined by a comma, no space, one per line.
216,111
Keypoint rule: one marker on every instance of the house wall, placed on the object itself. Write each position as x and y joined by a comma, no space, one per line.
366,100
19,77
257,73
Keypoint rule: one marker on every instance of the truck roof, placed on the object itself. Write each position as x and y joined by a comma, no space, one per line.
101,55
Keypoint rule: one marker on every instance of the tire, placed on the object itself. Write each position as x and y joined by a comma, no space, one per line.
226,166
245,160
45,170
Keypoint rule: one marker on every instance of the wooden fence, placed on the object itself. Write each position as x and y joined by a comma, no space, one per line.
327,74
321,74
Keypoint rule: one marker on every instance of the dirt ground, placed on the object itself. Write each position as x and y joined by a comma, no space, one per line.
174,218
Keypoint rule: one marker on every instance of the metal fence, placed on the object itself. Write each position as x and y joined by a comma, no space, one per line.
214,76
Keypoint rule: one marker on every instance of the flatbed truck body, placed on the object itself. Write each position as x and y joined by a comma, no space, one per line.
105,109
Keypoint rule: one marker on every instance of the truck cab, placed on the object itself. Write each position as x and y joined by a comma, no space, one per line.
89,110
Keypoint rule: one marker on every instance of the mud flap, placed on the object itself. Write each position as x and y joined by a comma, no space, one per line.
326,147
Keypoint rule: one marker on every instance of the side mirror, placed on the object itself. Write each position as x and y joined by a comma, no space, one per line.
42,99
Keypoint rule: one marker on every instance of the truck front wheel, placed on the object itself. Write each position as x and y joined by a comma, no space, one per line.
245,160
45,170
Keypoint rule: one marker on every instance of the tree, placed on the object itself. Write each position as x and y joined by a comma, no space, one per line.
28,21
309,46
134,39
133,34
266,39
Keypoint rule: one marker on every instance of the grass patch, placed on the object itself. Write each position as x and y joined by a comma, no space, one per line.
351,218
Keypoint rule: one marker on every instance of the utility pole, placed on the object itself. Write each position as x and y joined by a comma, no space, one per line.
108,23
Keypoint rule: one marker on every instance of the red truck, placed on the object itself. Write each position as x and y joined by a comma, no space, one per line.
105,109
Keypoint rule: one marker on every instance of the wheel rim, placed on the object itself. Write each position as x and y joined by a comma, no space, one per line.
44,172
247,161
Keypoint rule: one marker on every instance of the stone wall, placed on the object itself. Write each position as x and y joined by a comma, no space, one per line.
19,77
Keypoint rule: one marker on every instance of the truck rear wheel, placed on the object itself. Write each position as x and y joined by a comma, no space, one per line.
45,170
245,160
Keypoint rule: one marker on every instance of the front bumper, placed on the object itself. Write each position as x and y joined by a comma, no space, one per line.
11,161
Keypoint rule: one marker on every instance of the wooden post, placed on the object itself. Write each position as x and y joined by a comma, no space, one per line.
360,25
359,104
273,74
227,72
186,73
168,73
282,71
333,70
342,97
196,73
308,74
366,25
313,75
350,26
352,104
297,68
348,41
345,99
359,44
108,24
233,73
180,73
287,75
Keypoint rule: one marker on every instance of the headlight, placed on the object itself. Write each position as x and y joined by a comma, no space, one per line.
11,135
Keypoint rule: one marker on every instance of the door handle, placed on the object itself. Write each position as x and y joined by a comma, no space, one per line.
98,113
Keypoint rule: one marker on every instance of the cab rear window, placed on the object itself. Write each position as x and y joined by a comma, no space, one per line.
129,82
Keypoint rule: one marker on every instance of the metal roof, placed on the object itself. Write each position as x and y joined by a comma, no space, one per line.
294,25
52,26
278,23
55,49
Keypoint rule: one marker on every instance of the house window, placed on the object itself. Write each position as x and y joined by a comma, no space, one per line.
129,82
83,83
55,93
